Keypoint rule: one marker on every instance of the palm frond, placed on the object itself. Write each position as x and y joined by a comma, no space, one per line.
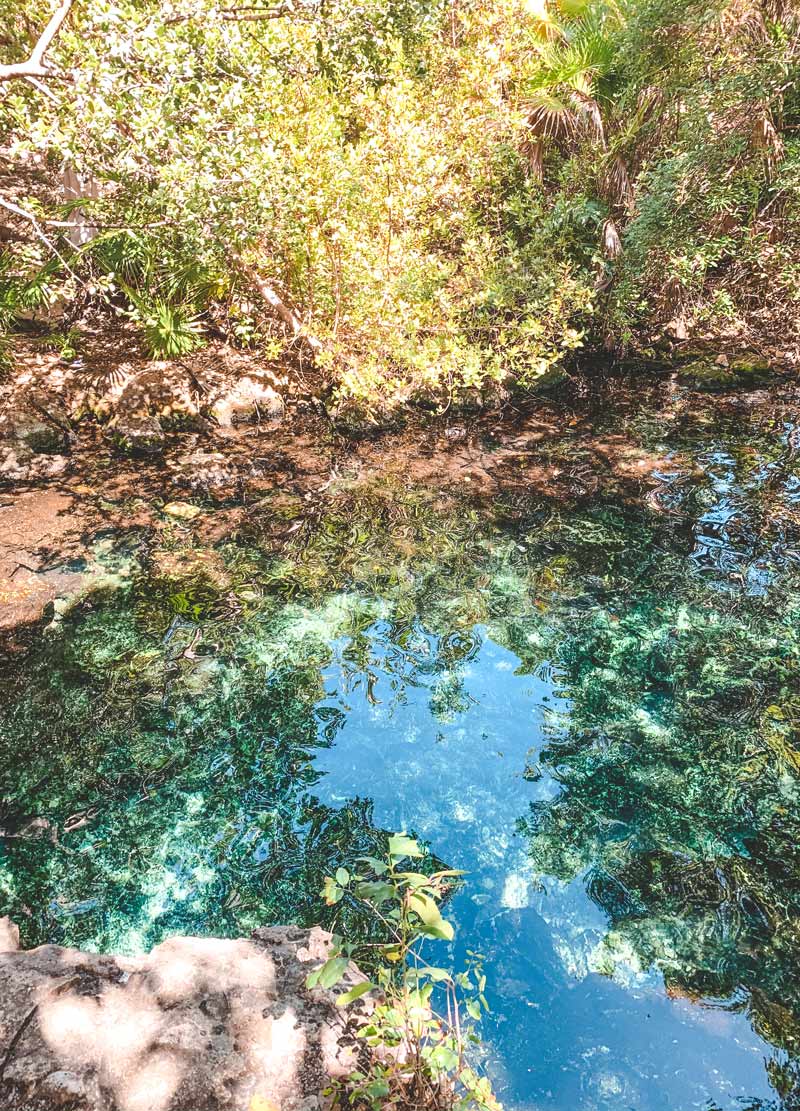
612,244
615,182
533,152
592,51
170,332
551,116
589,116
765,138
189,279
544,25
125,252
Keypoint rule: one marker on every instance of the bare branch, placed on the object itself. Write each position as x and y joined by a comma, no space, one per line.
40,88
279,306
101,226
256,16
239,15
35,67
9,206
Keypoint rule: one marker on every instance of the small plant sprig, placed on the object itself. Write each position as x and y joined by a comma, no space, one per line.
67,344
417,1057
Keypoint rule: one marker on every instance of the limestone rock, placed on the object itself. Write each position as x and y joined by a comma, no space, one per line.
247,399
9,935
41,437
205,470
34,522
35,429
138,433
201,1024
182,510
157,390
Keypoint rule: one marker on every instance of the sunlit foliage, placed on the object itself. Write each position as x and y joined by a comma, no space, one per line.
445,195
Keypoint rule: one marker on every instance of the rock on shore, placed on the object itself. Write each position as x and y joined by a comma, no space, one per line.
200,1024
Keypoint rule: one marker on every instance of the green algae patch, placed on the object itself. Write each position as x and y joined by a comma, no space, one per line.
741,373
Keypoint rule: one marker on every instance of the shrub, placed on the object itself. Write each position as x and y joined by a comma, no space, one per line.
415,1057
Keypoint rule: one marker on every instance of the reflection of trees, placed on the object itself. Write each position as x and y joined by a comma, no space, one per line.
177,802
161,784
679,792
397,656
156,786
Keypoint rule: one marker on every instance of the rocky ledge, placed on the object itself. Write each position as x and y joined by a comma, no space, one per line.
200,1024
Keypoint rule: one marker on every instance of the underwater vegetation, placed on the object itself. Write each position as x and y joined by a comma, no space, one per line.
163,750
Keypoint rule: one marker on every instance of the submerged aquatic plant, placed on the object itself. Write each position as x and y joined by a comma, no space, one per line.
160,749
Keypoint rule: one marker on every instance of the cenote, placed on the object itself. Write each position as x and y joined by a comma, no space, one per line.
593,709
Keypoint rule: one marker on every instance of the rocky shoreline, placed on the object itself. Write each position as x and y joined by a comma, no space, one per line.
234,445
200,1024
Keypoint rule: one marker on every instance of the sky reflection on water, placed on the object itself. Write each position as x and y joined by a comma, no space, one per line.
561,1034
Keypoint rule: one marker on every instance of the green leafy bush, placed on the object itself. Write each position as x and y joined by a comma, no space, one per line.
441,197
414,1057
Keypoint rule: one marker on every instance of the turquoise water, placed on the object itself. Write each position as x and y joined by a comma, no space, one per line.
593,710
564,1033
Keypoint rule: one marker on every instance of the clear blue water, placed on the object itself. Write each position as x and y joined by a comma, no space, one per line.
594,710
563,1034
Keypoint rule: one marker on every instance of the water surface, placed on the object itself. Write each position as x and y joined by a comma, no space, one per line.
593,710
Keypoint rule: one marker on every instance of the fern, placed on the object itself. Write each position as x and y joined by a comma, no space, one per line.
127,254
23,293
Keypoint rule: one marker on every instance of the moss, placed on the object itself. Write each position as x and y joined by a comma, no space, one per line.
742,373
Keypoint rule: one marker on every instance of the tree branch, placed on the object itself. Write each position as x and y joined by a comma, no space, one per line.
278,305
101,225
239,15
40,88
9,206
35,67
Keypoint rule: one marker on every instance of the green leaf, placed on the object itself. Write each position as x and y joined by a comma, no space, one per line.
436,974
332,971
445,1058
377,866
342,877
443,931
401,845
331,891
415,879
474,1009
355,992
425,907
430,916
428,971
375,892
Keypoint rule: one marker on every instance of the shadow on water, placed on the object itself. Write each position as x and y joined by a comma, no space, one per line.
595,712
